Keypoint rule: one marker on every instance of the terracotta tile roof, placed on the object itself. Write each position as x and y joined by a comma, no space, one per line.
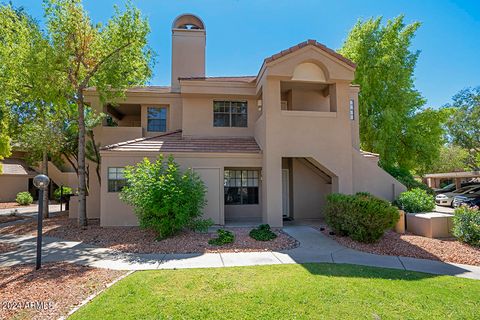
247,79
173,142
16,167
158,89
307,43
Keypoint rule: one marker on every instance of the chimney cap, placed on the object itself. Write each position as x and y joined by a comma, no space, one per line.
188,21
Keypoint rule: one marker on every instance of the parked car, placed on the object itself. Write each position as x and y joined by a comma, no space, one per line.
471,200
446,199
452,186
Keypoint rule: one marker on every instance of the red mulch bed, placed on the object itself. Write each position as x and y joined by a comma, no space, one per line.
50,292
410,245
10,205
134,239
7,247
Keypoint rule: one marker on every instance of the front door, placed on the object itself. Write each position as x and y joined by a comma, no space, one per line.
285,193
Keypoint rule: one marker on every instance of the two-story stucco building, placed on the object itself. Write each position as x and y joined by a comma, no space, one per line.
267,147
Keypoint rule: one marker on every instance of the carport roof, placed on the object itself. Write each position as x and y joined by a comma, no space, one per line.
173,142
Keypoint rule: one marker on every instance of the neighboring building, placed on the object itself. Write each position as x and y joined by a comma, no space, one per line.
267,146
436,180
16,176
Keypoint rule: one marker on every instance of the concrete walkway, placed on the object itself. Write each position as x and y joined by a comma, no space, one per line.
30,210
314,247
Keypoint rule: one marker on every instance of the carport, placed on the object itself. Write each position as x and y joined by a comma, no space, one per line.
433,180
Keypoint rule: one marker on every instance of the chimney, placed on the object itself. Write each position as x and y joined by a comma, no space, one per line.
188,48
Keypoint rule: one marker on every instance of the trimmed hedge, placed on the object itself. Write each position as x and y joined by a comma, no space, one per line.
416,200
466,225
24,198
362,217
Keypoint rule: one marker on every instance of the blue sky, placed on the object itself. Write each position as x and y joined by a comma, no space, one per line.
241,33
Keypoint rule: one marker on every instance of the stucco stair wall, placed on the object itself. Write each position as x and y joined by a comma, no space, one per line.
369,177
61,178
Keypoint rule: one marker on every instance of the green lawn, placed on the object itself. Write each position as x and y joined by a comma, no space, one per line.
309,291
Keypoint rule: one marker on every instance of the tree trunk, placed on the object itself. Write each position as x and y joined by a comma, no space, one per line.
45,193
97,155
82,198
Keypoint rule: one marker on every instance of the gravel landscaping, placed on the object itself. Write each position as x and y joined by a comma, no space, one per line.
410,245
134,239
7,247
50,292
4,218
12,205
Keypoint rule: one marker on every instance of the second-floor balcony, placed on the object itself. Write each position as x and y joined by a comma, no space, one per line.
303,98
123,123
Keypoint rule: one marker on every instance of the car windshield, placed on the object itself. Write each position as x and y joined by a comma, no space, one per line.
448,186
469,189
475,190
462,190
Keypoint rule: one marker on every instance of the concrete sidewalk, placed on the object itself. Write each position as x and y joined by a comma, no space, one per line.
30,210
314,247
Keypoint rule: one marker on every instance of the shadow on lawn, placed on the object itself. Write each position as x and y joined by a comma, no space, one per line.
359,271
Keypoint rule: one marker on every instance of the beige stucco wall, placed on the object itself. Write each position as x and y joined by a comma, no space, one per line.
309,100
309,192
188,54
116,213
369,177
10,185
198,117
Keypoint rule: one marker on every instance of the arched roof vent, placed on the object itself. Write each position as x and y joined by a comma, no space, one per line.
188,22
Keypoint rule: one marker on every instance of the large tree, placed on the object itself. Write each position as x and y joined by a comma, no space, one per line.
393,122
18,36
109,57
452,158
31,107
463,125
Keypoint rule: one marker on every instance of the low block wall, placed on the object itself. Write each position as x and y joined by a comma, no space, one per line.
431,224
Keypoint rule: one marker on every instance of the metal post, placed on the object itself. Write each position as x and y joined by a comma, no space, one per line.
39,229
61,198
41,182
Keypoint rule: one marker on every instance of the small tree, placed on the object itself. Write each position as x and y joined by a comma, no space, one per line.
110,57
164,198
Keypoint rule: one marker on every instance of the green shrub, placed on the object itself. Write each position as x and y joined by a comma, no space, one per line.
24,198
407,179
263,233
164,198
415,200
466,225
58,192
362,216
224,237
200,225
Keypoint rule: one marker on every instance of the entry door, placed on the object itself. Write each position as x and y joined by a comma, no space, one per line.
285,193
214,196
